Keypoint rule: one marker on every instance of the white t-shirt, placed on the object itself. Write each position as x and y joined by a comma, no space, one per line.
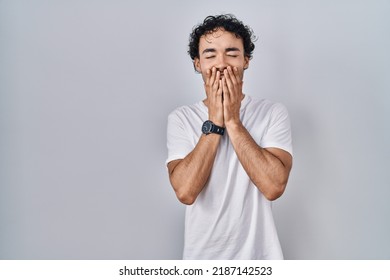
230,218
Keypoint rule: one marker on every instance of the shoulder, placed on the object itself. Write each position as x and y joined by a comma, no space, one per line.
186,110
188,115
265,106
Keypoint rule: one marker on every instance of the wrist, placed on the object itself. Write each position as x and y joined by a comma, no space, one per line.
233,124
217,121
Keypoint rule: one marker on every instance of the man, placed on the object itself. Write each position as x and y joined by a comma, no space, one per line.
229,155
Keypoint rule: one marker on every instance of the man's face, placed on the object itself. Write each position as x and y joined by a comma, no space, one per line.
221,49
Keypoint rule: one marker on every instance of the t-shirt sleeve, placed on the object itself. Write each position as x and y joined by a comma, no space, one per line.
178,141
278,134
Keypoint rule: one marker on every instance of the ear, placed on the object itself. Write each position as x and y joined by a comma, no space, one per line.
246,62
197,65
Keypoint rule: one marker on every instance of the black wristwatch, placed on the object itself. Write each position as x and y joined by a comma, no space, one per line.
209,127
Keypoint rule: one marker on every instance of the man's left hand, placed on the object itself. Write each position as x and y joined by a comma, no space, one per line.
232,95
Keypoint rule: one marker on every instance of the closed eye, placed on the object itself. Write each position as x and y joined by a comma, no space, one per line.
232,52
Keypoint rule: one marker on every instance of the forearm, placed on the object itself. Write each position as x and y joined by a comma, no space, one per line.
189,175
266,170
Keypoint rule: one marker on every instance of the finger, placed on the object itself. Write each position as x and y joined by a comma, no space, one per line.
212,77
216,81
225,89
237,75
208,76
239,78
220,90
229,83
232,76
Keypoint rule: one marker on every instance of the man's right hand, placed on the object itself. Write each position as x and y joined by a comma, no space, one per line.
189,175
213,88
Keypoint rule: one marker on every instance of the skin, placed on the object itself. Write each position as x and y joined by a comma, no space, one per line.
222,62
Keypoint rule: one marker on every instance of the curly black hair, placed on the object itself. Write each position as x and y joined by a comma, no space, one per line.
228,22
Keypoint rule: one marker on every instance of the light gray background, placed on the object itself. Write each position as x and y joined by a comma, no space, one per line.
86,87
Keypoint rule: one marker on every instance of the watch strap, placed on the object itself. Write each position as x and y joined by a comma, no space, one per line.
217,129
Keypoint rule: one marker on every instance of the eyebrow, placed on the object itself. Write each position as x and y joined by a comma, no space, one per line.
211,50
208,50
232,49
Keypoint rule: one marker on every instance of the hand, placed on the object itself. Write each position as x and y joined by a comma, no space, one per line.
232,94
213,88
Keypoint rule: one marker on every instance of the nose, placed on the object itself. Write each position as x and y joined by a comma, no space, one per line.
221,63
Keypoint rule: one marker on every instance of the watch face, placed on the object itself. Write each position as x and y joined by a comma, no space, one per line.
206,127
